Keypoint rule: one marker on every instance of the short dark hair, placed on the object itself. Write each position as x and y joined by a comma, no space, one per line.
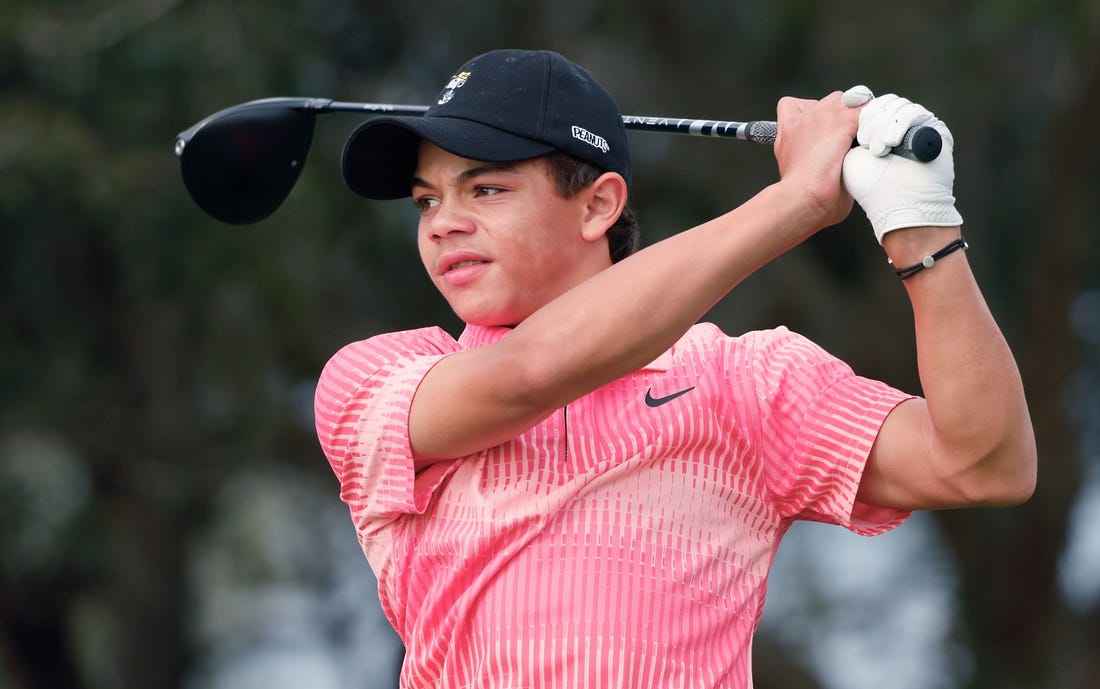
570,176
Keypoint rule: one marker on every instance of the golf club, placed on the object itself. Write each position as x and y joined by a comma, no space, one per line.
239,164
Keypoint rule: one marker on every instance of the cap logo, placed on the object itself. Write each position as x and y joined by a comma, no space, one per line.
456,82
582,134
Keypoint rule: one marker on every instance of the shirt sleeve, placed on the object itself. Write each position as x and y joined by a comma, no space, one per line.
361,409
818,421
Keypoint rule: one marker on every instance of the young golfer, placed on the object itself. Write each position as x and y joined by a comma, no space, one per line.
588,487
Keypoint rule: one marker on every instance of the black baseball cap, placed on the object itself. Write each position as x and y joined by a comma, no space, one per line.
502,106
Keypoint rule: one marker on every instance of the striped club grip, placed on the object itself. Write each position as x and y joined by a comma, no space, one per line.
922,144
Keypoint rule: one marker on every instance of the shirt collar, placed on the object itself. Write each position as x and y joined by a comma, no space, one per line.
475,336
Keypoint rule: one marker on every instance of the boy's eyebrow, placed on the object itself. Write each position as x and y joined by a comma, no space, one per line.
471,173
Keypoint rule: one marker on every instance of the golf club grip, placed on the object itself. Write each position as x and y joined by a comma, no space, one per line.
919,143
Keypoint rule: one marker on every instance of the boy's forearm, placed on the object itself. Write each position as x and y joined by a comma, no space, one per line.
969,377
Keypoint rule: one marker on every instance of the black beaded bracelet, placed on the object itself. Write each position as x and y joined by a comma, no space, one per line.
929,261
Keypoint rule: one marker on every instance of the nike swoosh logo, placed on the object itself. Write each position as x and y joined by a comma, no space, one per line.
652,401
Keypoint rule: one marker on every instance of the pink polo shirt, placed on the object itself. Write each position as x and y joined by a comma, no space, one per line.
623,542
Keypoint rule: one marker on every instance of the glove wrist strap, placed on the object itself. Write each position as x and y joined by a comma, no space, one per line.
930,260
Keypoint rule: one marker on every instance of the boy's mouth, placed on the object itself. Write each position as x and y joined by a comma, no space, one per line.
463,264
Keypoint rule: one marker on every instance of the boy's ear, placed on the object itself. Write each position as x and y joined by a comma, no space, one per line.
606,200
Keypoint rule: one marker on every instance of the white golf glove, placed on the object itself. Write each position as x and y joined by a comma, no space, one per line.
893,191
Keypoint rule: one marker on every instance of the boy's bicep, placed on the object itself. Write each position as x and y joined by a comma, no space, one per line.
902,470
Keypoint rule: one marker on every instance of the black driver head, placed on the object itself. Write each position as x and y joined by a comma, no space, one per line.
240,164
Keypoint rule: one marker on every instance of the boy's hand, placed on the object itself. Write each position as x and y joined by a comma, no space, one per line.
813,137
895,192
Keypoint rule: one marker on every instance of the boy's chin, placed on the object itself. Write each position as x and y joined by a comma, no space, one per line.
486,318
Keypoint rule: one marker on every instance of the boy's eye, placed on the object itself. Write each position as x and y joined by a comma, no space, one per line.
487,190
423,203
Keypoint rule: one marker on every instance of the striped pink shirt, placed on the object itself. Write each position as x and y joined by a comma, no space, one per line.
623,542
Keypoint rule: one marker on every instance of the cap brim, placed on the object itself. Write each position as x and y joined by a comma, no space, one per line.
380,156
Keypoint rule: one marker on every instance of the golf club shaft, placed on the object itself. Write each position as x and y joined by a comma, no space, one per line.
913,145
758,131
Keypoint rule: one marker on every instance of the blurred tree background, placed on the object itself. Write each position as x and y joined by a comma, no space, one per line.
166,516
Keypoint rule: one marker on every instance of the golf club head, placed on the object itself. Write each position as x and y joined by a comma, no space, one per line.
239,164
